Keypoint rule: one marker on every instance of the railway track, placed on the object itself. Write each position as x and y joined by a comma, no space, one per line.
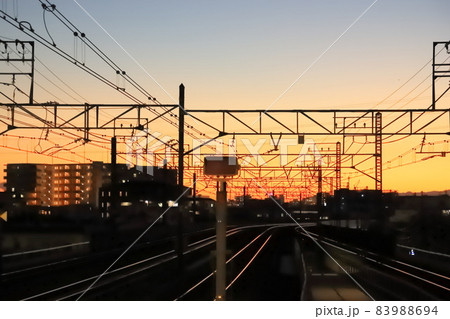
385,277
161,266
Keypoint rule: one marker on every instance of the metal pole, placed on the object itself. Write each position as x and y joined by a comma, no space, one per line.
32,74
378,152
181,136
338,165
179,246
433,78
113,178
194,194
221,246
319,188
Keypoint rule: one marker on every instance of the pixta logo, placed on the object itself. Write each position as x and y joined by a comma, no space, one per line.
252,151
150,149
154,149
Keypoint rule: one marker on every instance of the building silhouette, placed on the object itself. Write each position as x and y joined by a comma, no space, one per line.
46,188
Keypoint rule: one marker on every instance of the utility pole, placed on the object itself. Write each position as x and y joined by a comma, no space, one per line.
32,75
179,245
181,136
194,194
338,165
433,79
113,177
319,187
378,153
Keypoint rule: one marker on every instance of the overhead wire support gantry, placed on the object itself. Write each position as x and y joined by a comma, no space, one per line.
440,70
27,55
363,119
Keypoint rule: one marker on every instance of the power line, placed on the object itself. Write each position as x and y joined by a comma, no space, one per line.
31,32
408,80
102,55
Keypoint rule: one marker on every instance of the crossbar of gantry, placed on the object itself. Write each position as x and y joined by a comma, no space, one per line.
307,121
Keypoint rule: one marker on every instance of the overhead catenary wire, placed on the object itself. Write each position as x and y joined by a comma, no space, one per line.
45,120
53,94
31,32
82,36
67,22
386,138
59,52
407,81
202,134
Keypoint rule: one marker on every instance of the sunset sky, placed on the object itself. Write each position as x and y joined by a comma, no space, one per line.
245,55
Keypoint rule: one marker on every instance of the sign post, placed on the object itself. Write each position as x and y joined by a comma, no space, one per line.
221,244
222,168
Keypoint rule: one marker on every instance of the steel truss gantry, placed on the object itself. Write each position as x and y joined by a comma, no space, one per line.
344,124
